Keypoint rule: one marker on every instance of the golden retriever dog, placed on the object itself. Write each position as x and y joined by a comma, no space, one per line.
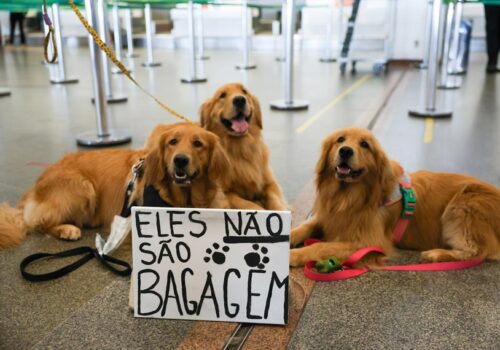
235,116
457,216
83,189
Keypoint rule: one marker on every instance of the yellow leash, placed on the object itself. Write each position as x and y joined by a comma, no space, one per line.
47,39
120,65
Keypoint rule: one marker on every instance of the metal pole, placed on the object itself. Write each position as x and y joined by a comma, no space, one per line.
61,79
329,35
444,83
118,37
4,92
105,136
102,29
289,103
281,58
430,111
201,36
341,25
454,67
428,34
193,78
130,34
148,17
246,38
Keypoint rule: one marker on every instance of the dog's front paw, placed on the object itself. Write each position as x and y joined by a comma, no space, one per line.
69,232
296,258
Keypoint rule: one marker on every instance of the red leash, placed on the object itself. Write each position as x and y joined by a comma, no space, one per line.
349,272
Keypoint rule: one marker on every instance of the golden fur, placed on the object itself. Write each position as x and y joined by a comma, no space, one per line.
251,183
87,188
457,216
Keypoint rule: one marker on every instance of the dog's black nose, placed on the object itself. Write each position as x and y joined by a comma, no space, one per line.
239,101
346,152
181,161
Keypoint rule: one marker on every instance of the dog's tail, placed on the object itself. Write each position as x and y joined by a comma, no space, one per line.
12,227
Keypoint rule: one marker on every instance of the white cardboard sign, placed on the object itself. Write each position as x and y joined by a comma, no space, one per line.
211,264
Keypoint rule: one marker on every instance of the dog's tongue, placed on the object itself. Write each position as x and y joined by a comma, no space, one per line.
239,125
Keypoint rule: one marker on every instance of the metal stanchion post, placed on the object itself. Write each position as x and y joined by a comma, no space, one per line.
201,35
444,83
427,38
289,103
430,110
148,17
453,66
341,26
281,57
193,77
130,34
329,57
102,29
104,136
4,92
246,38
61,67
118,38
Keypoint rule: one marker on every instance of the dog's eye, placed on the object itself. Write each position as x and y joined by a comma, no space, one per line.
223,95
172,142
341,139
364,144
244,91
197,144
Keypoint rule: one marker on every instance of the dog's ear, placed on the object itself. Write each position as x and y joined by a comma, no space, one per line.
154,164
205,110
386,174
257,113
323,166
219,161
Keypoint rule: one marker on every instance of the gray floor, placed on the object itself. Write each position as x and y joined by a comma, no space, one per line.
38,123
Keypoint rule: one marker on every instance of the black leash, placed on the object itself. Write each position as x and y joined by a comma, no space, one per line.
105,260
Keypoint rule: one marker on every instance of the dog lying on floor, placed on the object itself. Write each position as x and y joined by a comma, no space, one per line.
182,169
457,216
235,116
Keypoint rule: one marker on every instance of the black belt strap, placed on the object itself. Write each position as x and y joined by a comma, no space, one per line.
105,260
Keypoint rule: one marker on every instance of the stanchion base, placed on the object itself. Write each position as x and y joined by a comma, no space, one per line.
193,80
4,92
203,58
151,64
132,55
422,66
115,99
64,81
449,86
424,113
295,105
248,66
328,59
115,137
116,70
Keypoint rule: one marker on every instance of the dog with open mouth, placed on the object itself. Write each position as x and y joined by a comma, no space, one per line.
456,216
182,168
234,115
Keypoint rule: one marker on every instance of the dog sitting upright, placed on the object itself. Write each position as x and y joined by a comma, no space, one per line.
181,169
457,216
235,116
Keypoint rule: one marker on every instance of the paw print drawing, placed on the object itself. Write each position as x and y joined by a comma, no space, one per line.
255,259
217,256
